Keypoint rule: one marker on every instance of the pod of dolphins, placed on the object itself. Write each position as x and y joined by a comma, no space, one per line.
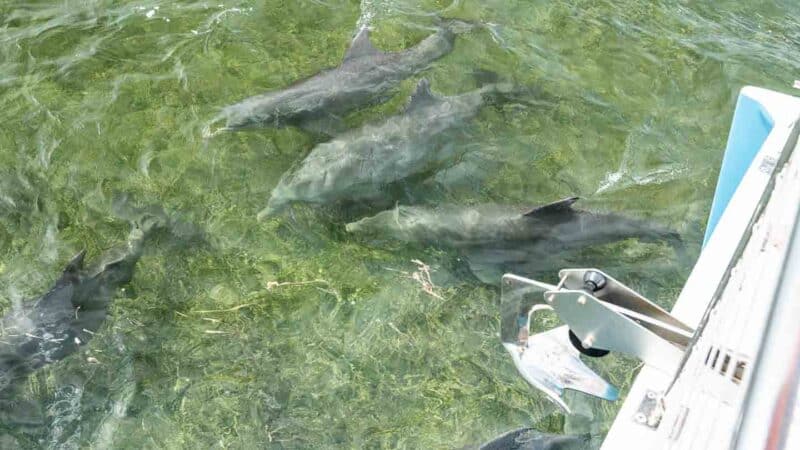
352,166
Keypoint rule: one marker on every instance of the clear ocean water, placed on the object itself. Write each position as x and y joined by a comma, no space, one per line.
291,333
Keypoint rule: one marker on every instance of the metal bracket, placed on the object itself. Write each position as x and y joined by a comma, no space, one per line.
631,303
651,410
613,317
602,314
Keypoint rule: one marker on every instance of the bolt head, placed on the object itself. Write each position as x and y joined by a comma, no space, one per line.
594,280
581,300
640,417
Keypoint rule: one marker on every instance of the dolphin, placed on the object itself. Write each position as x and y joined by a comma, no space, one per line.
55,325
364,164
498,238
530,439
365,76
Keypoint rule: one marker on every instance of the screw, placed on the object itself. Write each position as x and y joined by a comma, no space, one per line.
640,417
651,395
581,300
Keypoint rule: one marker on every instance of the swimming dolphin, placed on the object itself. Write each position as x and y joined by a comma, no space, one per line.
365,76
495,238
362,164
57,324
530,439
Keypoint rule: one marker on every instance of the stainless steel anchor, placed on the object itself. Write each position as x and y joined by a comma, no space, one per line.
599,314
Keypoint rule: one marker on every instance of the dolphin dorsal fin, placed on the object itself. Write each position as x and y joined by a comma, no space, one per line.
73,268
560,206
361,46
422,96
76,263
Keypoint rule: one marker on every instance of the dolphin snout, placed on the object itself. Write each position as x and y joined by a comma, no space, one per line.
264,214
363,227
273,208
217,125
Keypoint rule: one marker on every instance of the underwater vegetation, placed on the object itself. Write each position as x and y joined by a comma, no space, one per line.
290,332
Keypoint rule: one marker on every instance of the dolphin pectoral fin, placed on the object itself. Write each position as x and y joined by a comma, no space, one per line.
560,206
422,96
458,26
361,46
328,125
483,266
484,77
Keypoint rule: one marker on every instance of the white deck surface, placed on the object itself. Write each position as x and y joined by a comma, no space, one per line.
703,407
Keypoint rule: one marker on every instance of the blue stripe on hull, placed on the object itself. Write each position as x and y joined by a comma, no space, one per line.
749,129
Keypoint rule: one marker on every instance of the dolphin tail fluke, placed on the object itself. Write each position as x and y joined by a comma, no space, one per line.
147,218
670,237
503,92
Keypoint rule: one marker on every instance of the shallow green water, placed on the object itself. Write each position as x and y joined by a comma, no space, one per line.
204,349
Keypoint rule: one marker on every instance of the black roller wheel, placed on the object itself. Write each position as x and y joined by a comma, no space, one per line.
593,352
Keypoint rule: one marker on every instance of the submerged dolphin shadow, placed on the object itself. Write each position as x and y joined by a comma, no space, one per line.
530,439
